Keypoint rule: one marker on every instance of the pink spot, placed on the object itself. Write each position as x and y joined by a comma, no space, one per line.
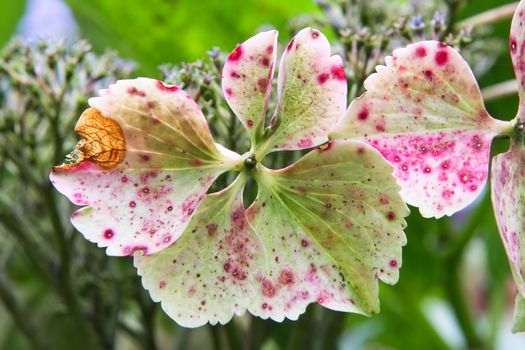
151,104
269,49
234,74
513,45
124,179
421,52
166,87
108,234
133,249
363,114
265,61
212,229
384,199
427,170
290,45
447,194
380,128
268,289
338,72
428,74
441,57
286,277
227,267
476,143
464,176
305,143
249,122
196,162
360,150
445,164
393,263
264,306
262,84
229,92
133,91
132,204
236,54
390,216
145,158
315,34
322,78
473,188
162,284
304,243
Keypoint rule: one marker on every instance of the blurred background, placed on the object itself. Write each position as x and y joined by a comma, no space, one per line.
58,291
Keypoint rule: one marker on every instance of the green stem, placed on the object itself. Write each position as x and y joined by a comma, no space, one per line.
233,336
500,90
491,16
21,317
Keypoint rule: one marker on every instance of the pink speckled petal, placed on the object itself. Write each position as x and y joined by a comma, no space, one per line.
424,112
211,272
311,91
517,53
332,225
508,199
146,201
247,80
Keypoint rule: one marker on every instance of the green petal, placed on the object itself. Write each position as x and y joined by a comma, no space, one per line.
311,94
147,161
332,224
518,323
213,270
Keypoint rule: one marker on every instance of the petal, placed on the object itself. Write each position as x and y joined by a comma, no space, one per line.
519,314
209,274
247,80
146,162
517,53
311,91
424,112
508,200
332,224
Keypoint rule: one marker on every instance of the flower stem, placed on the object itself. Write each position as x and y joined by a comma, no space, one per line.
490,16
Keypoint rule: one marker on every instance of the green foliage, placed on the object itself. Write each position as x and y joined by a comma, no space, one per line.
160,31
11,11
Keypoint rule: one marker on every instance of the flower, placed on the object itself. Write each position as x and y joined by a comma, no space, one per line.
323,230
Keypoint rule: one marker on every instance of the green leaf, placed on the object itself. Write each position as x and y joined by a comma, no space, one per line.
143,167
12,11
424,112
160,31
332,224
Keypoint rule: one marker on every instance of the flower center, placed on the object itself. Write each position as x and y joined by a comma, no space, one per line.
249,161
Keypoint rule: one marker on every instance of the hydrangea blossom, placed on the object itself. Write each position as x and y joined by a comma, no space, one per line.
323,230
